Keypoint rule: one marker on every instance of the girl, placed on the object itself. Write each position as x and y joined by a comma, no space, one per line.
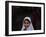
27,24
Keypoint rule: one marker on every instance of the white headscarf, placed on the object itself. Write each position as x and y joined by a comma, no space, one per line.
30,27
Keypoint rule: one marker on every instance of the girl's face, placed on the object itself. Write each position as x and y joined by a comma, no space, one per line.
26,23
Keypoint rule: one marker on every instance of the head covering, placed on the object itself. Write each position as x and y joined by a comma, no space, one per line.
30,27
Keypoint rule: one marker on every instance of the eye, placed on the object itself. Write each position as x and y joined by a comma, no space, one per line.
27,23
24,22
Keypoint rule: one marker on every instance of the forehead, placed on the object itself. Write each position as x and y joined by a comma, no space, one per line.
26,20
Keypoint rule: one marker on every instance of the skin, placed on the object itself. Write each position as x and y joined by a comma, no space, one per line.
26,24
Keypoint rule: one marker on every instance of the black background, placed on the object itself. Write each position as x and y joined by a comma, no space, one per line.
19,12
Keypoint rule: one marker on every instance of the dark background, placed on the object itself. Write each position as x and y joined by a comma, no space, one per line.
18,14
